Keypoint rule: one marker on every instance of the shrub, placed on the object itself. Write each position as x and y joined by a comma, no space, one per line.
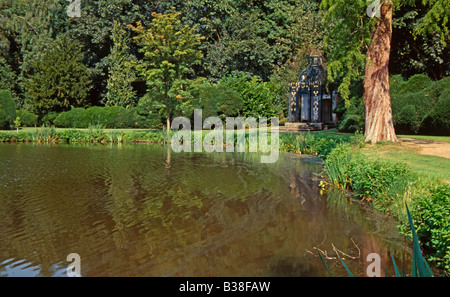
369,178
3,118
218,100
352,117
27,119
414,84
49,119
407,119
148,114
438,120
259,98
108,117
336,164
420,105
126,118
432,216
73,118
8,107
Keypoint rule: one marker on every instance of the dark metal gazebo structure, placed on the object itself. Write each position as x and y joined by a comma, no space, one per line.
309,102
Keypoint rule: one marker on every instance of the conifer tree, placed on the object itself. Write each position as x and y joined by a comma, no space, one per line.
119,89
59,80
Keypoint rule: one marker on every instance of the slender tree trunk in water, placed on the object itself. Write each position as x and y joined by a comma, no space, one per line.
377,98
168,122
167,112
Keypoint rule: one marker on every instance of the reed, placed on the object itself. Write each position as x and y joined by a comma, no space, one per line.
114,136
96,133
44,134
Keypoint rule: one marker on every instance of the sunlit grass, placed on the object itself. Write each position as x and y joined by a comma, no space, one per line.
425,165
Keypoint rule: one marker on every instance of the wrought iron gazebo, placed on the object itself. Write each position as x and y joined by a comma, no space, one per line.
309,102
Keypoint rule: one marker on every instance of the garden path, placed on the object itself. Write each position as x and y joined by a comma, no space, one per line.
429,147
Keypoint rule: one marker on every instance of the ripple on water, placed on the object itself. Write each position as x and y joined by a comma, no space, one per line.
143,210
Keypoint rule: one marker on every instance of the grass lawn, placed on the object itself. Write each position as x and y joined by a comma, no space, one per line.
427,137
431,166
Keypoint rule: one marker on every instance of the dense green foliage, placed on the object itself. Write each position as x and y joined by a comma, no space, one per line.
266,42
27,119
417,26
370,178
109,117
218,100
260,99
59,80
420,105
418,53
7,109
259,38
432,215
169,53
119,89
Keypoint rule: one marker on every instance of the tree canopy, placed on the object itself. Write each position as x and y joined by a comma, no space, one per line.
261,42
169,53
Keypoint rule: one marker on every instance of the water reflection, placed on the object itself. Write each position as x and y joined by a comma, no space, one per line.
142,210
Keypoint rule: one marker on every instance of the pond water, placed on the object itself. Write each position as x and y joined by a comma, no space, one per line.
143,210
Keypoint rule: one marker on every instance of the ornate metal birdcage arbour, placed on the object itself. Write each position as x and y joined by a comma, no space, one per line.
308,100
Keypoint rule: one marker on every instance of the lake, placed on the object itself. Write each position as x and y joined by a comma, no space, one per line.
143,210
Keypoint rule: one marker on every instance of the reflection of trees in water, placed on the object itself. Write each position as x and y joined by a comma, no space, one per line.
193,203
140,210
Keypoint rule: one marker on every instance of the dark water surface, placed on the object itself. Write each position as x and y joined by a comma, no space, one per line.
143,210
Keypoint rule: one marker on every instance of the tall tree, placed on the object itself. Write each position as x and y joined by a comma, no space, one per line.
119,89
379,125
27,28
358,45
59,80
170,51
94,32
249,37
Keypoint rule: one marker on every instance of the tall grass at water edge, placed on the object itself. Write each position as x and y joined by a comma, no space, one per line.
387,185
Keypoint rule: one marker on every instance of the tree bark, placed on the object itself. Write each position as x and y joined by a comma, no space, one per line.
166,96
379,125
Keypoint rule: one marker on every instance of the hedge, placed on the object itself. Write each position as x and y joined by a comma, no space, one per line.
108,117
27,118
420,105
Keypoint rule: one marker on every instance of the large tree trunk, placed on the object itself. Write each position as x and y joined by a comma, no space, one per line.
377,98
